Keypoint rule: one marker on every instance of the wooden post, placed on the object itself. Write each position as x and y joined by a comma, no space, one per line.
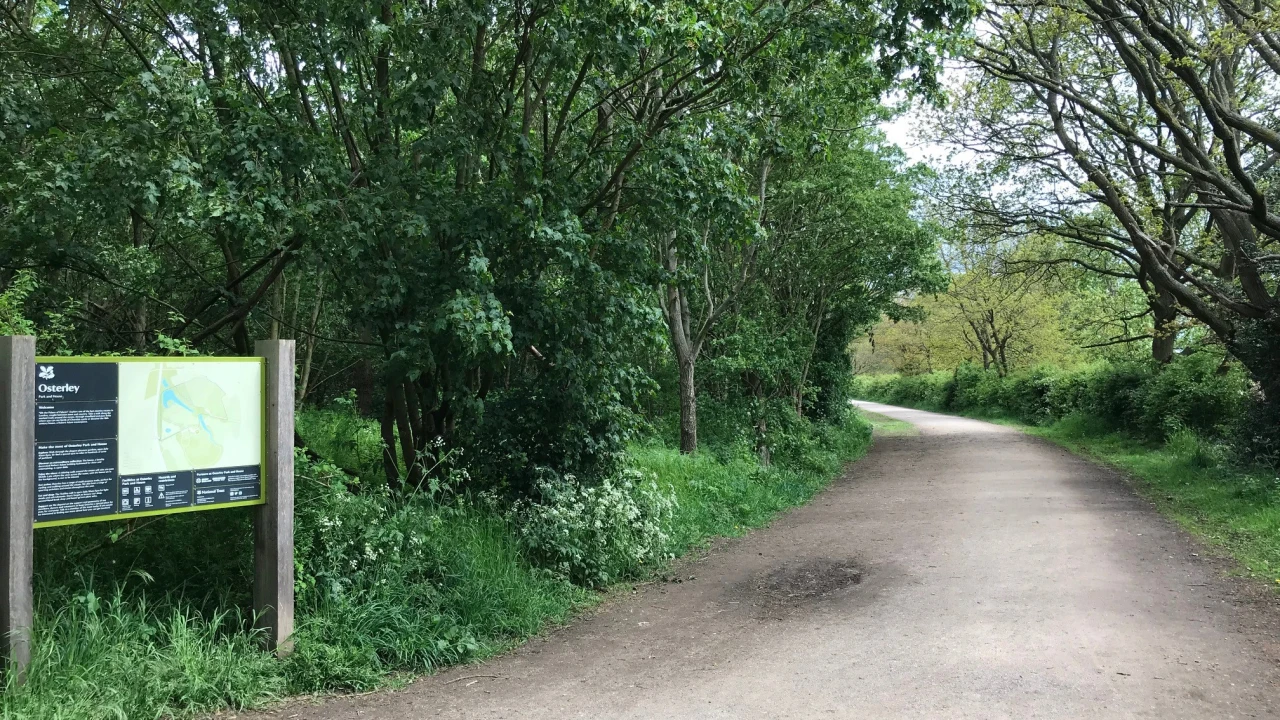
17,496
273,522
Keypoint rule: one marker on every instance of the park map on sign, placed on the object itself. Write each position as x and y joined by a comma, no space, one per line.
144,436
189,415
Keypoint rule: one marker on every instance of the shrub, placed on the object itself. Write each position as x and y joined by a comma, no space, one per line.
1029,395
930,391
405,583
341,436
593,535
1193,449
725,497
1194,394
1115,393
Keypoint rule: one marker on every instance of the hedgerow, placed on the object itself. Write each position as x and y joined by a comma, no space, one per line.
1199,393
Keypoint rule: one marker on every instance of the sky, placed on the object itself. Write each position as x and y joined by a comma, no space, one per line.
901,131
905,130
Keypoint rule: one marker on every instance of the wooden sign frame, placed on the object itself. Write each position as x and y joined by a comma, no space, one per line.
273,512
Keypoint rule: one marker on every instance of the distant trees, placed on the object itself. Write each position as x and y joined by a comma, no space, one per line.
1005,322
1002,310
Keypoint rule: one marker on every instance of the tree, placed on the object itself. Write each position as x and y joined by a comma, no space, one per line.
1139,94
843,245
996,312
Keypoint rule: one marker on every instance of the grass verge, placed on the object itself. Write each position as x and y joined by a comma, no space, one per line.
886,426
725,497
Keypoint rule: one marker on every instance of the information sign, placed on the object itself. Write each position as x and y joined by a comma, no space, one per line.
131,437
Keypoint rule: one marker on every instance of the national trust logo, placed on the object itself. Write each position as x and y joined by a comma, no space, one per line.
46,372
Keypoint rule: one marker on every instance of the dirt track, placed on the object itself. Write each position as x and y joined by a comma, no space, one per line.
966,572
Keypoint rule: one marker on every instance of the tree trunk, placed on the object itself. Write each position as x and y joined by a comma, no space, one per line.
404,432
389,465
304,383
1002,360
1163,332
140,312
762,442
676,309
1256,346
688,408
362,377
762,422
278,299
813,347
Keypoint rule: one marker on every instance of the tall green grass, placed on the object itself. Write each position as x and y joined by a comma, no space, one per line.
434,585
466,594
116,657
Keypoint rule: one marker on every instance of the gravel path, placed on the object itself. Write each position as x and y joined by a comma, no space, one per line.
966,572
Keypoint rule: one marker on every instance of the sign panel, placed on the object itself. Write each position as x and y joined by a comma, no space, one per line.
130,437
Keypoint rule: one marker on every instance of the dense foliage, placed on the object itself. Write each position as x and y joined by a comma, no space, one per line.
471,213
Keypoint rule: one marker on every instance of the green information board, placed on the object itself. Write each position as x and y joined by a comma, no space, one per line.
132,437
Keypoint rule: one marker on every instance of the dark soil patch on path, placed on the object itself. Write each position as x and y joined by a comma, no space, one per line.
804,582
